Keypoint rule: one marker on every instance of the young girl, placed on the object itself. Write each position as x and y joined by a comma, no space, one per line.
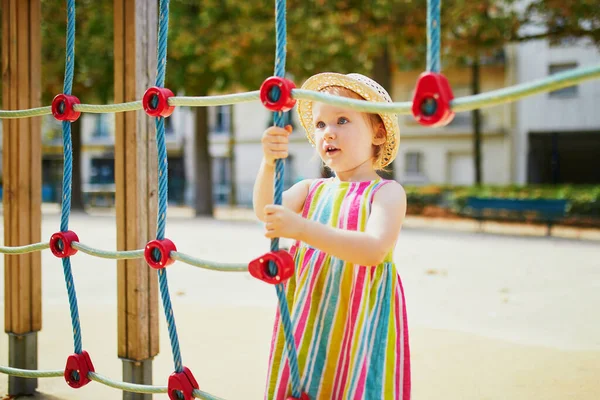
346,299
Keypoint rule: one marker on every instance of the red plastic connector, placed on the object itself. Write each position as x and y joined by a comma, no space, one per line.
76,371
259,268
285,102
181,385
431,102
164,247
61,244
156,102
303,396
62,107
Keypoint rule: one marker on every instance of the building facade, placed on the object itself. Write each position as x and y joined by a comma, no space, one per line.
549,138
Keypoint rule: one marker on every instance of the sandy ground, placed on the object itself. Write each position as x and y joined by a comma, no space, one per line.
491,316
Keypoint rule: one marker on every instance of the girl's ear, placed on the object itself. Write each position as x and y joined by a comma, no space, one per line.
380,135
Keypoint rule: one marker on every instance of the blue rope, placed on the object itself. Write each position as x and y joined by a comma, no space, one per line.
70,61
279,119
433,36
163,181
68,174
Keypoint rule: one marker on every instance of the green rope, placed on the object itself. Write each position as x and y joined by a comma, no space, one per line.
510,94
215,100
115,255
30,248
214,266
488,99
130,387
30,373
32,112
358,105
109,108
199,394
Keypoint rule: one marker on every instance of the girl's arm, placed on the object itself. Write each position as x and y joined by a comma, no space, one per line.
293,198
364,248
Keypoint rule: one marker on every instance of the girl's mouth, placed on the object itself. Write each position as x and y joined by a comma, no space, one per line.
331,150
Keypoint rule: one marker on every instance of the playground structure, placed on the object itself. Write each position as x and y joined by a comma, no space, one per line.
141,166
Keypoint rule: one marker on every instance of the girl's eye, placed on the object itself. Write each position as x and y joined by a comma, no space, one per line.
343,120
320,125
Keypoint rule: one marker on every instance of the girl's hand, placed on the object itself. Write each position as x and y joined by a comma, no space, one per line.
281,222
275,143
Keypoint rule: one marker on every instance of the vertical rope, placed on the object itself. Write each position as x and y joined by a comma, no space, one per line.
279,119
68,175
163,180
433,36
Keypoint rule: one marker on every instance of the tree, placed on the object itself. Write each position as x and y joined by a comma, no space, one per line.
93,77
556,20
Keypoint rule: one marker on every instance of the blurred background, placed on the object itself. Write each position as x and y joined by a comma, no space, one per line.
545,146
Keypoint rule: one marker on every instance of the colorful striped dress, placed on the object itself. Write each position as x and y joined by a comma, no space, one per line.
349,320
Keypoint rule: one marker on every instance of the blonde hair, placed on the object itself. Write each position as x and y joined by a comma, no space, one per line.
374,119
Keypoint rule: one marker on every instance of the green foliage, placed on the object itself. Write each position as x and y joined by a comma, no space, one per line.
94,60
583,200
559,19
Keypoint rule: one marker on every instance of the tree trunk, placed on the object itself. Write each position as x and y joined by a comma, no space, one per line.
232,176
382,74
76,194
475,88
204,195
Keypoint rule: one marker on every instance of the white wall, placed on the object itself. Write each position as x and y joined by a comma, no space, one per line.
544,112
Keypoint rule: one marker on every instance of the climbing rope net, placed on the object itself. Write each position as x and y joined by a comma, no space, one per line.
432,105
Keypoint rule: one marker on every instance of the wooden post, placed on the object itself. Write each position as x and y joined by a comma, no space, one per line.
135,33
22,173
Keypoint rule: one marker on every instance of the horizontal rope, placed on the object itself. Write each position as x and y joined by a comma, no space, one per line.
467,103
214,266
30,248
31,373
220,100
109,108
199,394
129,387
31,112
512,93
358,105
115,255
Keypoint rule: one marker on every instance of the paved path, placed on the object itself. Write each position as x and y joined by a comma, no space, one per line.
489,314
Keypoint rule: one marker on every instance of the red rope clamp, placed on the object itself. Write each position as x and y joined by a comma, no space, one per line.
277,85
156,102
77,369
303,396
62,107
164,248
259,268
431,101
61,244
181,385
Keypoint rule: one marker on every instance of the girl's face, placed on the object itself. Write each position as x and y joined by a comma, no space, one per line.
344,140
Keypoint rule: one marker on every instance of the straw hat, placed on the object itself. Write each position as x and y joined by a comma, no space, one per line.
363,86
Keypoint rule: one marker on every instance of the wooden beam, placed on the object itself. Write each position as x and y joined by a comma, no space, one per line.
135,24
22,166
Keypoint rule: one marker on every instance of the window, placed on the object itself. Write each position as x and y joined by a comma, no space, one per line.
101,126
287,119
103,171
222,119
414,163
570,91
169,129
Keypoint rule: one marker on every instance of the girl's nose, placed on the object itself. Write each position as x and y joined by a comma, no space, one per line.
329,133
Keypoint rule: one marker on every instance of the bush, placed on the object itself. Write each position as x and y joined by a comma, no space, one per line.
583,200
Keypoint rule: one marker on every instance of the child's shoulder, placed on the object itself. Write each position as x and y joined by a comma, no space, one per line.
390,191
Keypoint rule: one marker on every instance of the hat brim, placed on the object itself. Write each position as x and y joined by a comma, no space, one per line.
369,91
